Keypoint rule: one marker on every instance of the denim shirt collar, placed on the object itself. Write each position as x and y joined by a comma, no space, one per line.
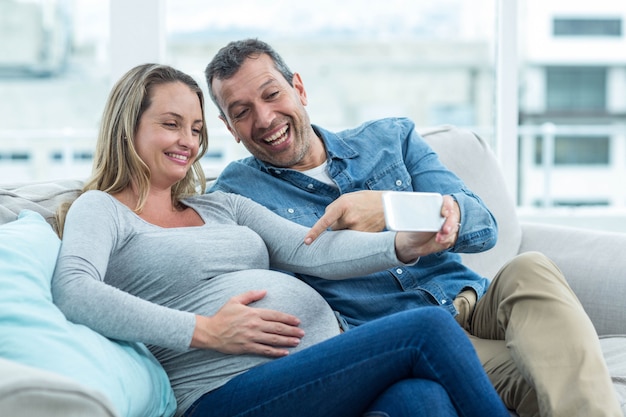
336,148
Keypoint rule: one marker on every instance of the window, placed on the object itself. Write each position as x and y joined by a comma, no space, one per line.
576,150
36,37
54,80
576,88
581,150
15,156
59,156
430,61
587,27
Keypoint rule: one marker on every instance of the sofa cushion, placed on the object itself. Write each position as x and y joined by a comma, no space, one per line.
614,350
42,197
34,332
26,392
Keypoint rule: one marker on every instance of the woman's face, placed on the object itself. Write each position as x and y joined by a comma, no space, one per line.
168,133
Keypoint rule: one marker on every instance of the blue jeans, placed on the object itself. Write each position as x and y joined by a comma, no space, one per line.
414,363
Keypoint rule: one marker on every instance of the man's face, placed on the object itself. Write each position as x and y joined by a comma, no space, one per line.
267,114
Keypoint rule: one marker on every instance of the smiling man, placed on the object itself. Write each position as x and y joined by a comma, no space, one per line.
533,337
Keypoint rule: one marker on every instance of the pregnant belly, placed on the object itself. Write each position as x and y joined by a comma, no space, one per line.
284,293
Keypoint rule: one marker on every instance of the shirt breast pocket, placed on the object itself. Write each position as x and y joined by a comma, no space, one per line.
393,177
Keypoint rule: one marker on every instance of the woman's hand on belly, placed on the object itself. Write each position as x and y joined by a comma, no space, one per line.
237,328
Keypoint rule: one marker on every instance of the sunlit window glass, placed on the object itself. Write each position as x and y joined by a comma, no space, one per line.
53,85
587,27
576,88
430,61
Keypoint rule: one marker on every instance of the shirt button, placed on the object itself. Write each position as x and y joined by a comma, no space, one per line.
398,182
310,186
443,301
276,171
399,271
291,210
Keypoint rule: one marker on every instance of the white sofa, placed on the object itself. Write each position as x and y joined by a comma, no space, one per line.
31,392
593,262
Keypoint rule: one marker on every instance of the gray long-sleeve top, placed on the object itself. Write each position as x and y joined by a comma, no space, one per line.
134,281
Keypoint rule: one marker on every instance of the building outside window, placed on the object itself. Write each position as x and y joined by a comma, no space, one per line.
575,150
430,61
434,62
54,79
572,110
576,89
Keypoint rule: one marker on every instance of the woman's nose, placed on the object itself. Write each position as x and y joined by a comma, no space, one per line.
187,137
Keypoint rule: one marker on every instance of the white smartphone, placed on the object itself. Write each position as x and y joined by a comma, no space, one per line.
413,211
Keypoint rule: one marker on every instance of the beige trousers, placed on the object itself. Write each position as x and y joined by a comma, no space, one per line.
537,344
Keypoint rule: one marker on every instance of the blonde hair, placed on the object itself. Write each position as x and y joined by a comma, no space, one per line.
116,164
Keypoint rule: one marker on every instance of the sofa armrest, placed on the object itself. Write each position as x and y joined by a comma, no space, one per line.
594,264
27,391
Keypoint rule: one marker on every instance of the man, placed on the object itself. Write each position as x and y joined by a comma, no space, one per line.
533,337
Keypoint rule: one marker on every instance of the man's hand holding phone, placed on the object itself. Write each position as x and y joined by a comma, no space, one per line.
429,222
434,231
413,212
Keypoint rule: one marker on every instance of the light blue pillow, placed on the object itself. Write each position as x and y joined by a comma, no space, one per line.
33,331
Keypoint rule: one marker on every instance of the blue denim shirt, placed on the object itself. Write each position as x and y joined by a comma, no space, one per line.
386,154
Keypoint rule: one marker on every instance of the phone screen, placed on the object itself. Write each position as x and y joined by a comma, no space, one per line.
413,211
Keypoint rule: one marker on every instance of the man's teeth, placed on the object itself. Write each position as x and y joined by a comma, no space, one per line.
278,137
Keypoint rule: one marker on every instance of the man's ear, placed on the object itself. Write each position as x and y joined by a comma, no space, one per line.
298,85
232,131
